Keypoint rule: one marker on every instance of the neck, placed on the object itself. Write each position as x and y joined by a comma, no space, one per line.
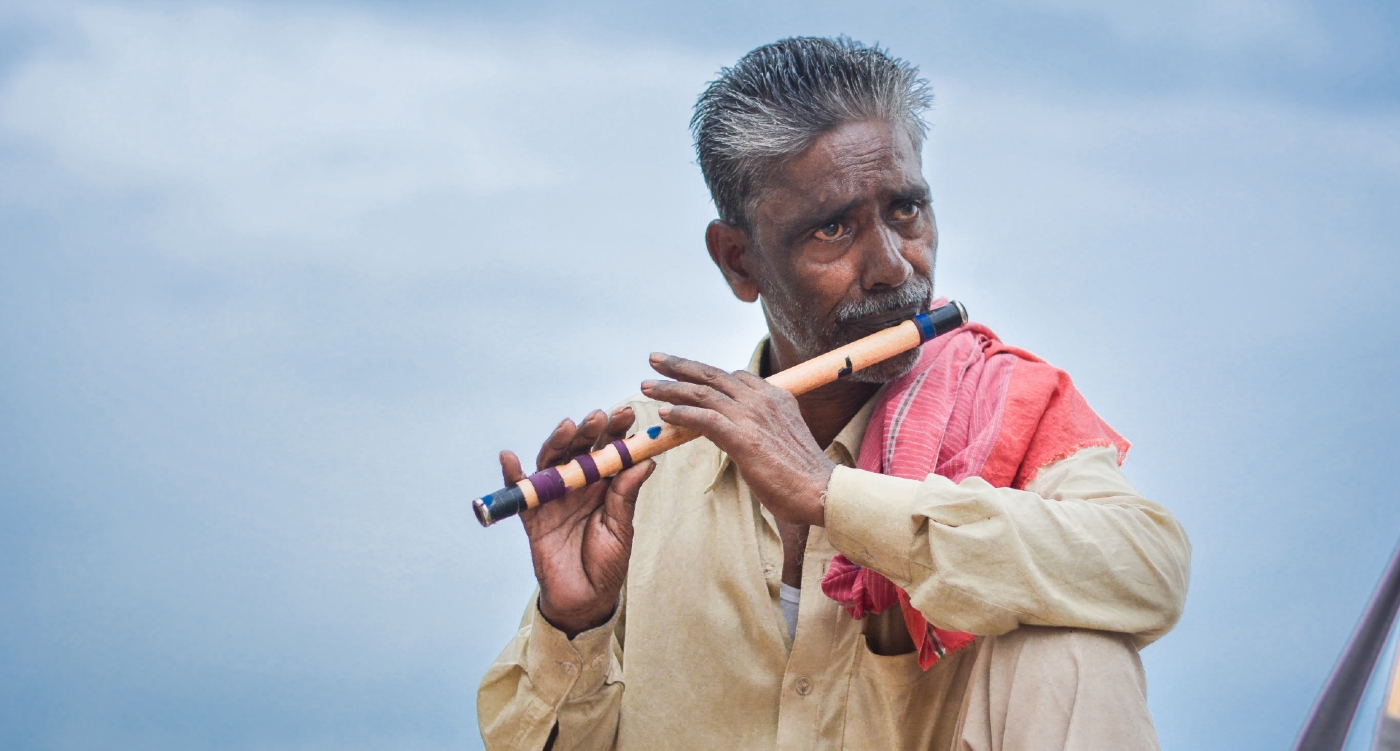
825,410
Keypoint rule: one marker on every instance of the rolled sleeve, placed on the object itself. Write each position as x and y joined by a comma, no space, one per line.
873,520
1078,548
544,679
560,667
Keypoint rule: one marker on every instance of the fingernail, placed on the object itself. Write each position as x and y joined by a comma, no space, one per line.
646,385
657,356
664,410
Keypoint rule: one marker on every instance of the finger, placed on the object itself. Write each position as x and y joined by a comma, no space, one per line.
691,371
762,386
706,422
620,502
619,422
588,431
556,445
510,468
574,504
751,380
693,394
628,482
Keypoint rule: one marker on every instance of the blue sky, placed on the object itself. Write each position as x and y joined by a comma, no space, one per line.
278,280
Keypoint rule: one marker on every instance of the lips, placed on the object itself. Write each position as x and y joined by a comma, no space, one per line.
881,321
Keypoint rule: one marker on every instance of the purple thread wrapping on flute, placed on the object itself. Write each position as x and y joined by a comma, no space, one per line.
590,468
624,453
549,485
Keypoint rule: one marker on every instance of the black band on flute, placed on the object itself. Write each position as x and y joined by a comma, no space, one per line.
940,321
549,486
926,331
501,504
623,452
590,468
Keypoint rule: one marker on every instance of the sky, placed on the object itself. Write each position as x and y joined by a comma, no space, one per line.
278,280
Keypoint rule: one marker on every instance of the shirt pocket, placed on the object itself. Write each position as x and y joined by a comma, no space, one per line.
893,704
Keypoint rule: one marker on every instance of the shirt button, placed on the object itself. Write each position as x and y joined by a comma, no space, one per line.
804,686
768,570
570,668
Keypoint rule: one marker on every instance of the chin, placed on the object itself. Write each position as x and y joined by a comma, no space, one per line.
887,370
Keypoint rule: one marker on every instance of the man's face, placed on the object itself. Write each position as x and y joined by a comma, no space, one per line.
845,241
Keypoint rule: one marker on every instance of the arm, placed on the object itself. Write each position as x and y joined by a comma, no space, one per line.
562,675
544,679
1078,547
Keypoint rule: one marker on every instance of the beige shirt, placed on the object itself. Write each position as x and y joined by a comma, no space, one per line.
698,655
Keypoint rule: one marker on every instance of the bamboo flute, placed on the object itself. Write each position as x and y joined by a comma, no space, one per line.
586,469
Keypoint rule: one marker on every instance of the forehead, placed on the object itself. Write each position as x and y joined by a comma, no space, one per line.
868,160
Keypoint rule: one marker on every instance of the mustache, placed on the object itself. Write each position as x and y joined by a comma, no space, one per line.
916,291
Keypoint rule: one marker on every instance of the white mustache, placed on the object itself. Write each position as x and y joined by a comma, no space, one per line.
913,292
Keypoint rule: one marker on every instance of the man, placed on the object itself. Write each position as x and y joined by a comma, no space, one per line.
938,552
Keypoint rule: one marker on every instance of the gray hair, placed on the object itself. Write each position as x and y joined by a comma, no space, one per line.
778,99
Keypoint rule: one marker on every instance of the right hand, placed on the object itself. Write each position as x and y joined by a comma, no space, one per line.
580,544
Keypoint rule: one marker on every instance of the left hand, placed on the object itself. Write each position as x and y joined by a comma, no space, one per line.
758,424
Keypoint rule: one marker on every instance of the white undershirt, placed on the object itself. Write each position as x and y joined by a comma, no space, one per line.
788,600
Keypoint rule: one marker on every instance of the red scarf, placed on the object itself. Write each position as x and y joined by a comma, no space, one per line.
971,406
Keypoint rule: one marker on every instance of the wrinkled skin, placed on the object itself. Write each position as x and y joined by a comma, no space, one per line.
841,244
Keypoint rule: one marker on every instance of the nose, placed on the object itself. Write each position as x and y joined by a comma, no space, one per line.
884,264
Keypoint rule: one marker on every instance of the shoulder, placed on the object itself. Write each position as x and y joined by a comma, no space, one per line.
1044,416
992,346
1031,377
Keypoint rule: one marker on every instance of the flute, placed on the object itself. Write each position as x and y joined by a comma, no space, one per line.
551,484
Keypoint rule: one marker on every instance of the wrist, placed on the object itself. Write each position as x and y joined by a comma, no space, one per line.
573,623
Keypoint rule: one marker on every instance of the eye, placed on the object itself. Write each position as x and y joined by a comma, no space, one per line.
830,231
905,211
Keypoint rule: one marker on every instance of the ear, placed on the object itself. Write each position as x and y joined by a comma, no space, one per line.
732,252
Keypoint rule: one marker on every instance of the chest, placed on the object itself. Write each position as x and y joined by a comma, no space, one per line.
705,636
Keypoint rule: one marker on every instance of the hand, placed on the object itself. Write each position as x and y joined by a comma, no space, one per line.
580,544
758,424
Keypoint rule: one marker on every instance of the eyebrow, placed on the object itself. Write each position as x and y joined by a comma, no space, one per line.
821,215
829,213
913,193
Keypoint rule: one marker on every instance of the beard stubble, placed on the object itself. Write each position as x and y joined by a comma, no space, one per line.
813,332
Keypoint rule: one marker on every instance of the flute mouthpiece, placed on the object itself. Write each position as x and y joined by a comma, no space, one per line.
940,321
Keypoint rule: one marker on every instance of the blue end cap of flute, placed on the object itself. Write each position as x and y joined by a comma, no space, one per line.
941,320
499,505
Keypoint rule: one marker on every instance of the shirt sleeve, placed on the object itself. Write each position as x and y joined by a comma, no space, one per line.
543,678
1077,548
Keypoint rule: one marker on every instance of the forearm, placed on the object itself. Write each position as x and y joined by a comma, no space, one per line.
543,678
1078,548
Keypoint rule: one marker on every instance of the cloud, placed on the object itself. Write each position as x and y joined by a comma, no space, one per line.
1237,205
278,281
1212,25
297,124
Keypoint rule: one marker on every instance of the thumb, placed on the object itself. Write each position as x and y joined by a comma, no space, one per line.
621,499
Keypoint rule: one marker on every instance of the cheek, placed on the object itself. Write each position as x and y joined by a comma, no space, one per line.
919,249
827,283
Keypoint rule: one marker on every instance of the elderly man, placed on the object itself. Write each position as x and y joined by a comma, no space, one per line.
939,552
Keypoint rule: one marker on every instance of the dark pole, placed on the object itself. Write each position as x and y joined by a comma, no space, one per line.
1331,716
